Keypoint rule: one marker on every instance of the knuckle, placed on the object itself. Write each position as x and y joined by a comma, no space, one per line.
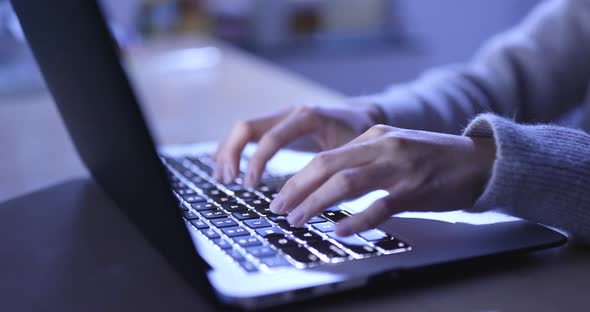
243,126
309,115
346,181
379,130
322,160
304,109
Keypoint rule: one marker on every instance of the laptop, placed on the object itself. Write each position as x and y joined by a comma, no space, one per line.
222,238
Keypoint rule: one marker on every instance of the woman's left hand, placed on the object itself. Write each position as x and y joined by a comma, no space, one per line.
422,171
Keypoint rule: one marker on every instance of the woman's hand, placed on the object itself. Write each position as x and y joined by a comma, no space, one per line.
422,171
314,129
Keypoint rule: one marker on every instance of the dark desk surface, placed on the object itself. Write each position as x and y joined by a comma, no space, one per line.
81,254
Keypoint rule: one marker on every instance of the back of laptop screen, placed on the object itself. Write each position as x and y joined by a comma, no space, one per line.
80,63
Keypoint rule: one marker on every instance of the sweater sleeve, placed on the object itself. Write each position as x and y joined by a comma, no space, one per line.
541,173
532,73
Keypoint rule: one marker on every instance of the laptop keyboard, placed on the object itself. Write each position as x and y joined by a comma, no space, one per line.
239,222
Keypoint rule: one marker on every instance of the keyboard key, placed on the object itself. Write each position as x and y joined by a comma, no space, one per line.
263,188
307,236
235,186
316,219
203,206
205,186
259,202
354,244
236,255
222,243
257,223
210,233
213,214
194,199
185,191
277,218
284,224
301,254
270,195
234,207
265,211
281,241
245,215
335,216
275,262
235,231
328,249
324,227
178,185
190,215
187,173
391,244
261,251
215,193
225,200
248,266
373,235
199,224
271,231
182,207
248,241
249,200
225,222
204,167
245,194
197,180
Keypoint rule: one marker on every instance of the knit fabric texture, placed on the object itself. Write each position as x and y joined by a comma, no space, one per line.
541,172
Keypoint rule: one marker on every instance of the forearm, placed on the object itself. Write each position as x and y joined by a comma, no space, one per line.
533,73
541,173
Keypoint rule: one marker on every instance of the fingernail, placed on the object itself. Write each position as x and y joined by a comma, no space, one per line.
343,230
295,217
277,204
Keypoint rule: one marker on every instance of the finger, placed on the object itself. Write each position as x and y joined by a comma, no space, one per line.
217,171
300,122
229,151
370,218
319,170
346,184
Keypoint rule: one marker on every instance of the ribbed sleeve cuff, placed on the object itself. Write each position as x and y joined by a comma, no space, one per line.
502,182
541,173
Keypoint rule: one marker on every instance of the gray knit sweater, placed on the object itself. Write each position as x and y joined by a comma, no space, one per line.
515,89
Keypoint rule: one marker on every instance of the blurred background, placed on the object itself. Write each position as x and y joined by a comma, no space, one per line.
352,46
236,59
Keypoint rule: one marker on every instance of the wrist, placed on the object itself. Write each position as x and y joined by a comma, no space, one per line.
485,156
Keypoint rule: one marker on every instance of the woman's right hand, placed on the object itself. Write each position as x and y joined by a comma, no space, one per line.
314,129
